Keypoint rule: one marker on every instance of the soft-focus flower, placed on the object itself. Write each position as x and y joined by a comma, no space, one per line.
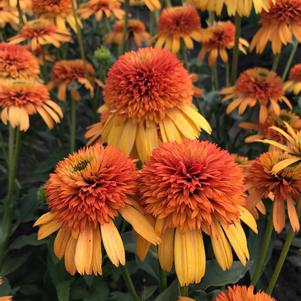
66,72
100,8
197,92
190,188
41,32
279,25
242,293
222,38
294,82
17,62
25,5
148,100
136,31
21,98
4,298
256,86
283,187
176,25
58,11
85,194
8,15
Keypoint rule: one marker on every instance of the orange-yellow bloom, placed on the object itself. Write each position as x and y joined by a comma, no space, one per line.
41,32
148,100
25,5
189,188
4,298
279,25
283,187
176,24
17,62
8,15
294,82
256,86
222,38
21,98
85,194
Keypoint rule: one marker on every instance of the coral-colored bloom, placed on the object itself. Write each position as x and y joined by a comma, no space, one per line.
242,293
222,38
178,24
279,25
190,188
294,82
148,100
17,62
21,98
8,15
136,32
85,194
256,85
100,8
41,32
282,188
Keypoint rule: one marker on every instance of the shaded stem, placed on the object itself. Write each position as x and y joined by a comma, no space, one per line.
168,3
227,71
20,13
129,284
125,26
184,291
152,23
184,54
73,126
214,77
163,279
290,60
236,48
276,62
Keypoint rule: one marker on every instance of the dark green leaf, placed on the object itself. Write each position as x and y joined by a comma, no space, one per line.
170,294
63,290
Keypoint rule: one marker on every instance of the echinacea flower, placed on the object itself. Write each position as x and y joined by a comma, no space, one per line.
67,71
136,32
8,15
222,38
242,293
176,25
294,82
278,25
148,100
100,8
4,298
41,32
17,62
190,188
283,188
256,86
86,193
21,98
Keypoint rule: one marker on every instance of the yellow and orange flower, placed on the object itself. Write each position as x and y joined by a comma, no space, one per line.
190,188
294,82
148,100
279,25
21,98
136,32
4,298
256,86
222,38
283,187
41,32
25,5
100,8
8,15
17,62
85,194
177,24
242,293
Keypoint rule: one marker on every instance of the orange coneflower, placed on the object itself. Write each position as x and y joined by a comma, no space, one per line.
100,8
282,188
4,298
190,188
136,32
279,25
294,82
222,38
256,85
242,293
21,98
85,194
177,24
148,100
41,32
17,62
8,15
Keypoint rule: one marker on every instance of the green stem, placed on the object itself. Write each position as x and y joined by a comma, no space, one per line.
168,3
125,26
20,13
214,77
44,66
152,23
236,48
184,54
184,291
211,18
264,250
73,126
276,62
107,24
129,284
163,279
290,60
227,71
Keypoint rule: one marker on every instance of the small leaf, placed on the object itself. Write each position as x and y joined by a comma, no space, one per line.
148,291
14,262
26,240
63,290
170,294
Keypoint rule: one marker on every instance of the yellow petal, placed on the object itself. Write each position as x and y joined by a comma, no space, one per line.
69,256
44,219
49,228
248,219
97,255
166,250
61,241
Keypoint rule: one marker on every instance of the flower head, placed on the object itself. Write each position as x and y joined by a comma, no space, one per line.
256,85
148,97
190,188
8,15
294,82
17,62
278,25
85,194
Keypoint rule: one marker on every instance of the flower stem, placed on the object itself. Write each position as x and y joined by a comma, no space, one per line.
152,22
214,77
184,54
125,26
129,283
290,60
264,250
73,126
20,13
163,280
227,71
236,48
276,62
184,291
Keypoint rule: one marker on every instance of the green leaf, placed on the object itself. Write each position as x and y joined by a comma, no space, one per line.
148,291
14,262
63,290
170,294
117,296
25,240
